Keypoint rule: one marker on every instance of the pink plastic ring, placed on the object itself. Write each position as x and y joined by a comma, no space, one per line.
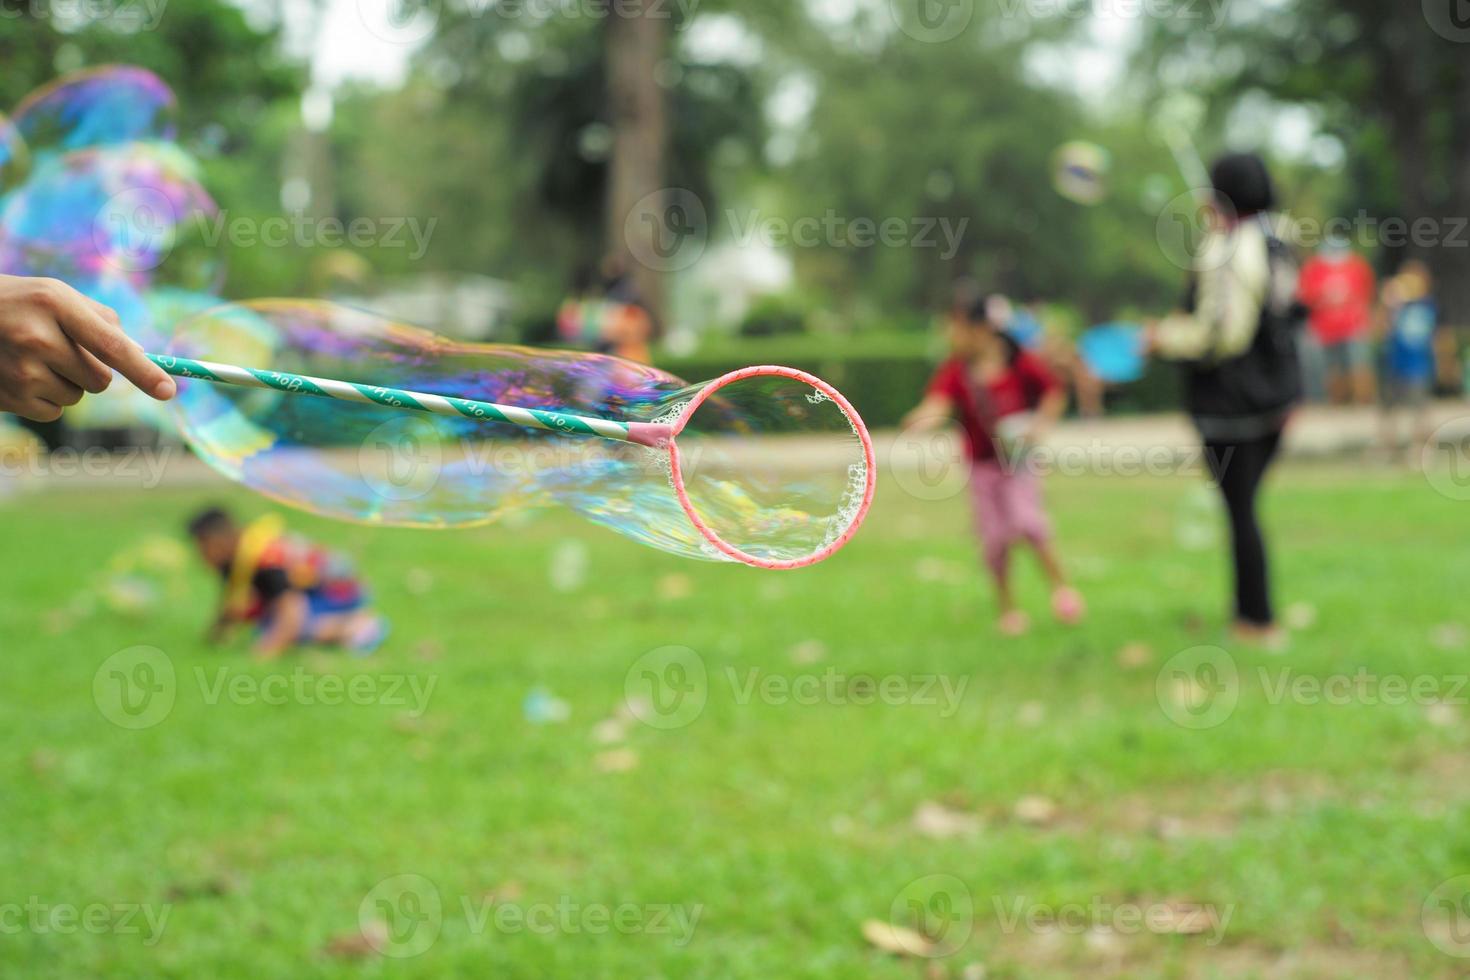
723,546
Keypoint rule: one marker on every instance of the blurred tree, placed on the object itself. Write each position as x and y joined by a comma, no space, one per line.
1390,82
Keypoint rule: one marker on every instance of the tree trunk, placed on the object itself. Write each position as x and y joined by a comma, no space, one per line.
636,198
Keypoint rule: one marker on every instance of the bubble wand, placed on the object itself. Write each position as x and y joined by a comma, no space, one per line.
655,435
652,434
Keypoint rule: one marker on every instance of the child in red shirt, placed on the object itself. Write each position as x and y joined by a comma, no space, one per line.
989,385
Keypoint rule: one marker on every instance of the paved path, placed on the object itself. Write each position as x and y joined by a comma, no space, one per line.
1112,445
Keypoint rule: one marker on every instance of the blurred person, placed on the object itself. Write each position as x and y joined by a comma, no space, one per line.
57,344
295,593
1411,321
578,318
1236,340
1005,400
628,328
1338,287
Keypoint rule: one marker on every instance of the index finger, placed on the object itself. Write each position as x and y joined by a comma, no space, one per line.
92,332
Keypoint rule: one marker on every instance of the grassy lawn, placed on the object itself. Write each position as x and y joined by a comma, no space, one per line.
754,827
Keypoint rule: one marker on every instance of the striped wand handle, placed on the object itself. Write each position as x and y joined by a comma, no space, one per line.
642,433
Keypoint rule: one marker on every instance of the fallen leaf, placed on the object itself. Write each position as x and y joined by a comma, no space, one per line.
898,940
211,887
808,652
1182,918
1135,655
675,586
1448,636
610,731
635,708
1031,714
616,760
366,941
938,821
506,891
1038,811
1301,615
1441,715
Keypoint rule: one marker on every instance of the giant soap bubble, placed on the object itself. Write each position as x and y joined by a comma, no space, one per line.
766,466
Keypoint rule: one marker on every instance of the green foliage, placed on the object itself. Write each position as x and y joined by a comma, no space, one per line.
264,826
775,315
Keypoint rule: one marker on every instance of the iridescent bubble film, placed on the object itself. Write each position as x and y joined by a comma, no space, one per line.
771,466
96,194
105,106
124,210
14,157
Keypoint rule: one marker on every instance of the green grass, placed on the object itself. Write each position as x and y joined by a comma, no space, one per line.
1320,828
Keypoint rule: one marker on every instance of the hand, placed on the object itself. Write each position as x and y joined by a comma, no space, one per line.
56,344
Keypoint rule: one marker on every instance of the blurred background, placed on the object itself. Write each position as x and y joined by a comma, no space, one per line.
869,783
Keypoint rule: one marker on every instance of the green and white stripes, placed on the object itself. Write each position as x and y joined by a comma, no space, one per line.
414,401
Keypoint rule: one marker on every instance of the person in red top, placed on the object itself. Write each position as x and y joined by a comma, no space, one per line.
1337,286
1005,398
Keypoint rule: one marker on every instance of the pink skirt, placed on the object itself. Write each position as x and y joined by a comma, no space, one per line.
1008,509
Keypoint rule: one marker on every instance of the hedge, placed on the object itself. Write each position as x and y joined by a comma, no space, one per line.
883,386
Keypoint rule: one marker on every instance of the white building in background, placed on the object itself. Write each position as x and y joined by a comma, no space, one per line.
464,306
716,293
